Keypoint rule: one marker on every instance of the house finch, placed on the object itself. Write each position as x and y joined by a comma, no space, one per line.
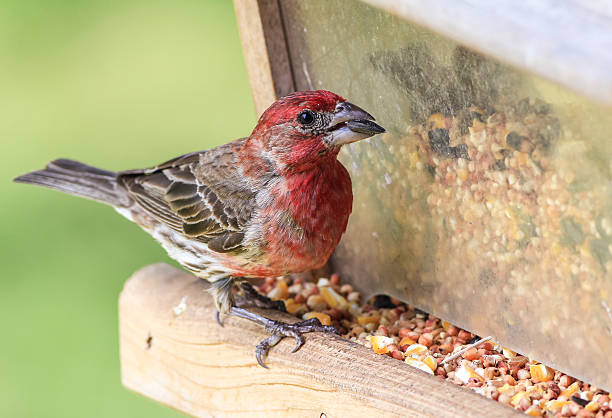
271,204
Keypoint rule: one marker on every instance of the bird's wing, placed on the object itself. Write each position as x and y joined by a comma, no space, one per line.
201,195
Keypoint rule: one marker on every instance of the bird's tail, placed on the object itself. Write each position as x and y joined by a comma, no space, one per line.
81,180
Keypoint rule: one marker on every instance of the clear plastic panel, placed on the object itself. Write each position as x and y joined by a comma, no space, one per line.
489,200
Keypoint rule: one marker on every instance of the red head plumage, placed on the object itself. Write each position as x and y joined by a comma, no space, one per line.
287,108
306,129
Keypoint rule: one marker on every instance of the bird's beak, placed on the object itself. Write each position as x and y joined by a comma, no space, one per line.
351,123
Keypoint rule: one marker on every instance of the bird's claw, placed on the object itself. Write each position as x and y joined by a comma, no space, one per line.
280,330
218,317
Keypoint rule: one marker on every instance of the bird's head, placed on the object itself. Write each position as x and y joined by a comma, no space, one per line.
305,127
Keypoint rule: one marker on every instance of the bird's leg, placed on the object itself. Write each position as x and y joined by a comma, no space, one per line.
247,297
279,330
251,297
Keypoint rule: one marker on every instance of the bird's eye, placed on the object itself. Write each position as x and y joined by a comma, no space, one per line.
305,117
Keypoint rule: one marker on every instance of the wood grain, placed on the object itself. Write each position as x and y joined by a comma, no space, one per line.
188,362
265,50
568,42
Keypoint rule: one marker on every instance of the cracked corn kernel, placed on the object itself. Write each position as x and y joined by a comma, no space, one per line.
294,308
419,365
508,389
406,341
333,299
372,319
592,406
571,389
415,349
541,373
508,353
380,343
281,291
322,317
431,363
534,411
465,373
518,397
555,405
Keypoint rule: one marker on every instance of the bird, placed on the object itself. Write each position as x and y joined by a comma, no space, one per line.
271,204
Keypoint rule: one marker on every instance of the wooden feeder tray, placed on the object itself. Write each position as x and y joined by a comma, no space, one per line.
173,351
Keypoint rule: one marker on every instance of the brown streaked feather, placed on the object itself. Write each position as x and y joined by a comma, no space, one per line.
226,242
200,195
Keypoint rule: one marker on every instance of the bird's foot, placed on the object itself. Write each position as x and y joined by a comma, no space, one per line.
252,298
280,330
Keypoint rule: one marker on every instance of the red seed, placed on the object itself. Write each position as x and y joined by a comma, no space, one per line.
413,335
403,332
299,298
426,339
494,394
398,355
565,381
503,367
509,380
431,323
452,330
382,330
491,373
464,335
487,345
334,279
446,348
335,313
457,344
523,374
524,404
471,354
393,316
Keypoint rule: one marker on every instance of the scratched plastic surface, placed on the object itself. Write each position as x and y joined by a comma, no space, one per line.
488,202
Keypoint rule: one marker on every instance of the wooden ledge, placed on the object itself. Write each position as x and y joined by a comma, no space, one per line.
173,351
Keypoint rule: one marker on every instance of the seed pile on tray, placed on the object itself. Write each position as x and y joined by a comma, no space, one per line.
392,328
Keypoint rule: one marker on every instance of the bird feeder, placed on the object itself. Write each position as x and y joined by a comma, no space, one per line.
489,200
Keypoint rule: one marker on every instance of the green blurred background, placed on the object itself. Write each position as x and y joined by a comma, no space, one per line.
117,84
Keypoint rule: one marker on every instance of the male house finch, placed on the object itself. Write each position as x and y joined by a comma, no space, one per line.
271,204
